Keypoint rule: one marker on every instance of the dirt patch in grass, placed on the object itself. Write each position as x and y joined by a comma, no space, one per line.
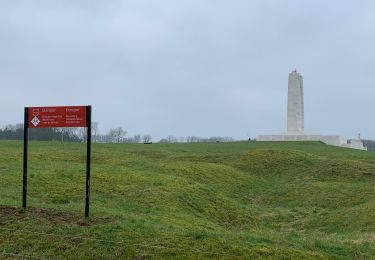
53,216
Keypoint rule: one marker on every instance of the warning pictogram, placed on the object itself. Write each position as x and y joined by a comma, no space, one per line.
35,121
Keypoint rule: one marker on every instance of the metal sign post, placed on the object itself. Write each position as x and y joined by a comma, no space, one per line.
47,117
25,150
88,161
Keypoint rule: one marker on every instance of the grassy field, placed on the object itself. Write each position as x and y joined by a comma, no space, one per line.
218,200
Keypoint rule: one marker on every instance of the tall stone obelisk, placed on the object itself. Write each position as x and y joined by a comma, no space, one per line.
296,111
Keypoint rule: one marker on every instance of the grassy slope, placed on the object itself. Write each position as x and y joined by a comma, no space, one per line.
264,200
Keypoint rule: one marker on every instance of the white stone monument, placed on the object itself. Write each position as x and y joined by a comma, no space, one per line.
296,117
296,111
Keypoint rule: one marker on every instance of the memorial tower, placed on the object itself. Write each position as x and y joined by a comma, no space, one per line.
296,111
296,118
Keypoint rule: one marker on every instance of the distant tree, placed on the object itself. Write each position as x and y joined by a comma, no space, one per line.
66,134
15,132
171,139
137,139
82,133
112,135
192,139
163,141
95,131
12,132
213,139
117,134
218,139
146,138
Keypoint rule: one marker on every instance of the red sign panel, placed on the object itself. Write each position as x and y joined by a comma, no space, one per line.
45,117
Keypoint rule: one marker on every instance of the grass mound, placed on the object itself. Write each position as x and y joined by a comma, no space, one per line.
228,200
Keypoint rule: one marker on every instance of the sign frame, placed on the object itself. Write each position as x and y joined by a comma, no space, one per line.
86,123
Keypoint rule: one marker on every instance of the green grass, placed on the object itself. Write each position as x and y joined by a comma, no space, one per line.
300,200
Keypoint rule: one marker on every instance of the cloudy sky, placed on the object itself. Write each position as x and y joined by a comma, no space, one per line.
191,67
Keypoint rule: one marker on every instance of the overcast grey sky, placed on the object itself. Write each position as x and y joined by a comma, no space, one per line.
192,67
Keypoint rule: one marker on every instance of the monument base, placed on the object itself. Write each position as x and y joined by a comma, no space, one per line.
333,140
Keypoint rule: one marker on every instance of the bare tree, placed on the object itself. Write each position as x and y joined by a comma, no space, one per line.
146,138
82,134
192,139
171,139
112,135
137,139
66,132
94,131
117,134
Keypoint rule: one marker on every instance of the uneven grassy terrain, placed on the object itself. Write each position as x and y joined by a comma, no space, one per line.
224,200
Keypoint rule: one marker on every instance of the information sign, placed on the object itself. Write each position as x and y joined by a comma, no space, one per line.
44,117
47,117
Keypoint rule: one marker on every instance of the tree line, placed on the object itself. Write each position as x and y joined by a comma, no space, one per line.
15,132
114,135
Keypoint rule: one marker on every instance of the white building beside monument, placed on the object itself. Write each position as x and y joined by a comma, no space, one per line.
296,120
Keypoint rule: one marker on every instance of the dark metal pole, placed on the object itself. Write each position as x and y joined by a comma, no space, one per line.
25,149
88,160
